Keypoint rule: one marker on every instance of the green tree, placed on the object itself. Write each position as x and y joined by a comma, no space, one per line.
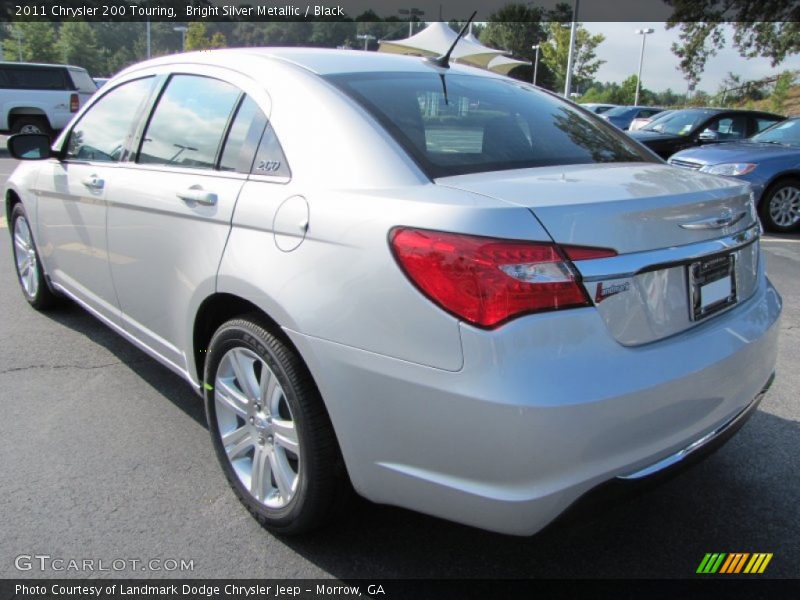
78,45
516,28
781,91
287,33
763,28
218,40
332,33
31,42
198,37
555,53
699,98
668,98
624,93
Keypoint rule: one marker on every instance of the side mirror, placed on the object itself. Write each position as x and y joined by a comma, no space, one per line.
708,136
29,146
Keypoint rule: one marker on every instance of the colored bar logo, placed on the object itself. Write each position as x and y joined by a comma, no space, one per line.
734,562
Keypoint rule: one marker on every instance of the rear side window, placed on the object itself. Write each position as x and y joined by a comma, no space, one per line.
269,158
243,137
103,131
466,124
34,78
189,122
81,81
252,146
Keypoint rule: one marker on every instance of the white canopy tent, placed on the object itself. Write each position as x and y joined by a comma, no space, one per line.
471,37
504,64
435,40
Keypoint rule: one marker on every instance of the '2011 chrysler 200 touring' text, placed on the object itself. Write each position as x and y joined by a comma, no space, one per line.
450,290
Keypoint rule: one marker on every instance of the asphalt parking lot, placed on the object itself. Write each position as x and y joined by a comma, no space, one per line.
105,455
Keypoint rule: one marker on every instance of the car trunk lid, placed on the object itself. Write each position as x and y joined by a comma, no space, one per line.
664,223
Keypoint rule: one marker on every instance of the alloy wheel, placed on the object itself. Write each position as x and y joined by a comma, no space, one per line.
784,206
256,427
25,255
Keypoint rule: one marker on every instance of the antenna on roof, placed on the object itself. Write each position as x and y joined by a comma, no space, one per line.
443,61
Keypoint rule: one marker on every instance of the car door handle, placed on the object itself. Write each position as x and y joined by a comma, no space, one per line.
93,182
197,195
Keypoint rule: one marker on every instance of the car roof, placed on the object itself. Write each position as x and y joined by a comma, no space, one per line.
321,61
7,63
631,107
715,110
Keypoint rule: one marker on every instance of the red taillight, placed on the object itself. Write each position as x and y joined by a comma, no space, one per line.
586,253
487,281
74,103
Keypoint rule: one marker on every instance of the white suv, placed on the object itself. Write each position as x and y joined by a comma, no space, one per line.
38,98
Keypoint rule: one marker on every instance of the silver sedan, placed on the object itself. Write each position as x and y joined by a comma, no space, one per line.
442,288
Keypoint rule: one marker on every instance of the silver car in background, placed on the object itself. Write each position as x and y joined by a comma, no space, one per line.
446,289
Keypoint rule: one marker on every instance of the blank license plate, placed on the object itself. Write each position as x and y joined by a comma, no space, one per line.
712,286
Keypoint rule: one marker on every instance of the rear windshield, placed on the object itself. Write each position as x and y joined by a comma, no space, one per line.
680,122
456,124
82,81
33,78
620,111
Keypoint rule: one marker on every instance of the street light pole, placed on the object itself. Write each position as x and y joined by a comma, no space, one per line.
535,62
571,55
183,29
366,37
19,43
643,33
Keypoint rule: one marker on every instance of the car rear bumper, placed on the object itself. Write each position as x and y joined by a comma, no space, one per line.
708,442
545,409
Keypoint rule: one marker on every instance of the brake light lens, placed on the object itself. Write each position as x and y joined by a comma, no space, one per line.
488,281
586,252
74,103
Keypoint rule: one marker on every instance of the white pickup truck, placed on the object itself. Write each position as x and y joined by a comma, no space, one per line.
40,98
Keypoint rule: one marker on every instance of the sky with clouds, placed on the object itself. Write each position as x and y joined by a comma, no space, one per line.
621,50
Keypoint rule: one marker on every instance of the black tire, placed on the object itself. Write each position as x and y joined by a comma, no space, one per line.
43,298
773,194
31,125
322,483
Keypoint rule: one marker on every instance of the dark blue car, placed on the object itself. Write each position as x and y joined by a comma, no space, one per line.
770,161
621,116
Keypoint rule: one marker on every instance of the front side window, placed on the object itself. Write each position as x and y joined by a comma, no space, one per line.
103,131
189,122
466,124
763,123
728,128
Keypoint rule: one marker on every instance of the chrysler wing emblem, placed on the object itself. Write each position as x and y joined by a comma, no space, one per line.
725,219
